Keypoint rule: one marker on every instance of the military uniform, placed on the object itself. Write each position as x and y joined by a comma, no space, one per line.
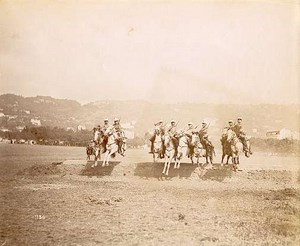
172,131
230,125
120,139
203,135
238,129
189,132
203,131
105,127
159,126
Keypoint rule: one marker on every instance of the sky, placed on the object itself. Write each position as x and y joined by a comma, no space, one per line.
231,52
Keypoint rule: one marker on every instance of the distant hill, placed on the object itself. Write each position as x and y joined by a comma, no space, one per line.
258,119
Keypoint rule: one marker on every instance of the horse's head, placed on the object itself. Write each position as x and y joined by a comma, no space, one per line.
97,135
167,140
157,130
231,136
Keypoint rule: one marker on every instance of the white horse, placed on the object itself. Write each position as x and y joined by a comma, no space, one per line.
112,146
98,137
198,150
158,145
236,148
170,151
182,149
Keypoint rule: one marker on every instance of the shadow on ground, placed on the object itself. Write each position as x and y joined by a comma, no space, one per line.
154,170
99,170
216,172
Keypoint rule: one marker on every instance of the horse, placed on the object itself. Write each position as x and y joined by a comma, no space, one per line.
235,148
197,148
248,151
209,150
158,145
170,154
182,149
113,141
226,149
98,138
90,150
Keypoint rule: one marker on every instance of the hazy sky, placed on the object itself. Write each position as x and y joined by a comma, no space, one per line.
168,51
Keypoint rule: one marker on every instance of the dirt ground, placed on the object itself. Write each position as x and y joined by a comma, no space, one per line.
131,203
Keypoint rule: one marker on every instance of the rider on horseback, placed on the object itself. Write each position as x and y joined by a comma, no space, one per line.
104,131
172,131
189,132
224,134
238,129
158,125
203,135
121,135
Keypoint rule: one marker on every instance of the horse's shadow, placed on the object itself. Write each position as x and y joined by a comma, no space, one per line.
216,173
154,170
98,170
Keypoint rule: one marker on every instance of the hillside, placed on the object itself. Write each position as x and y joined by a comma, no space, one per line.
19,111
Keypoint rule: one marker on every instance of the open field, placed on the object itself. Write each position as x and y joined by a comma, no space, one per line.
130,203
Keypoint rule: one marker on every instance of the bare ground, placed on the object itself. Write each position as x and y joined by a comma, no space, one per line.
130,203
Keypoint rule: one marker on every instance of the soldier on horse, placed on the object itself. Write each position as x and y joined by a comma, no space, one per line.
120,140
238,129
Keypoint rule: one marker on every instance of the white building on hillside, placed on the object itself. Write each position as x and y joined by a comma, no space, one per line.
284,134
35,122
128,128
81,128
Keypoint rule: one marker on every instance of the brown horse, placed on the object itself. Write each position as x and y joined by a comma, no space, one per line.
209,151
232,147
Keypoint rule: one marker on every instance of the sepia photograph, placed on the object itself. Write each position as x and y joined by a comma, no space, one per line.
127,122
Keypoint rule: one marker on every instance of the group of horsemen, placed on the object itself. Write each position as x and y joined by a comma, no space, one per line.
202,133
106,129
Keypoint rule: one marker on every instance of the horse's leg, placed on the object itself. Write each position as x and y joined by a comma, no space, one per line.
108,157
175,161
228,156
223,156
235,164
99,154
113,151
105,158
178,157
93,164
95,159
168,165
165,166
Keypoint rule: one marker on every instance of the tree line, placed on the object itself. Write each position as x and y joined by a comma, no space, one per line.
58,136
